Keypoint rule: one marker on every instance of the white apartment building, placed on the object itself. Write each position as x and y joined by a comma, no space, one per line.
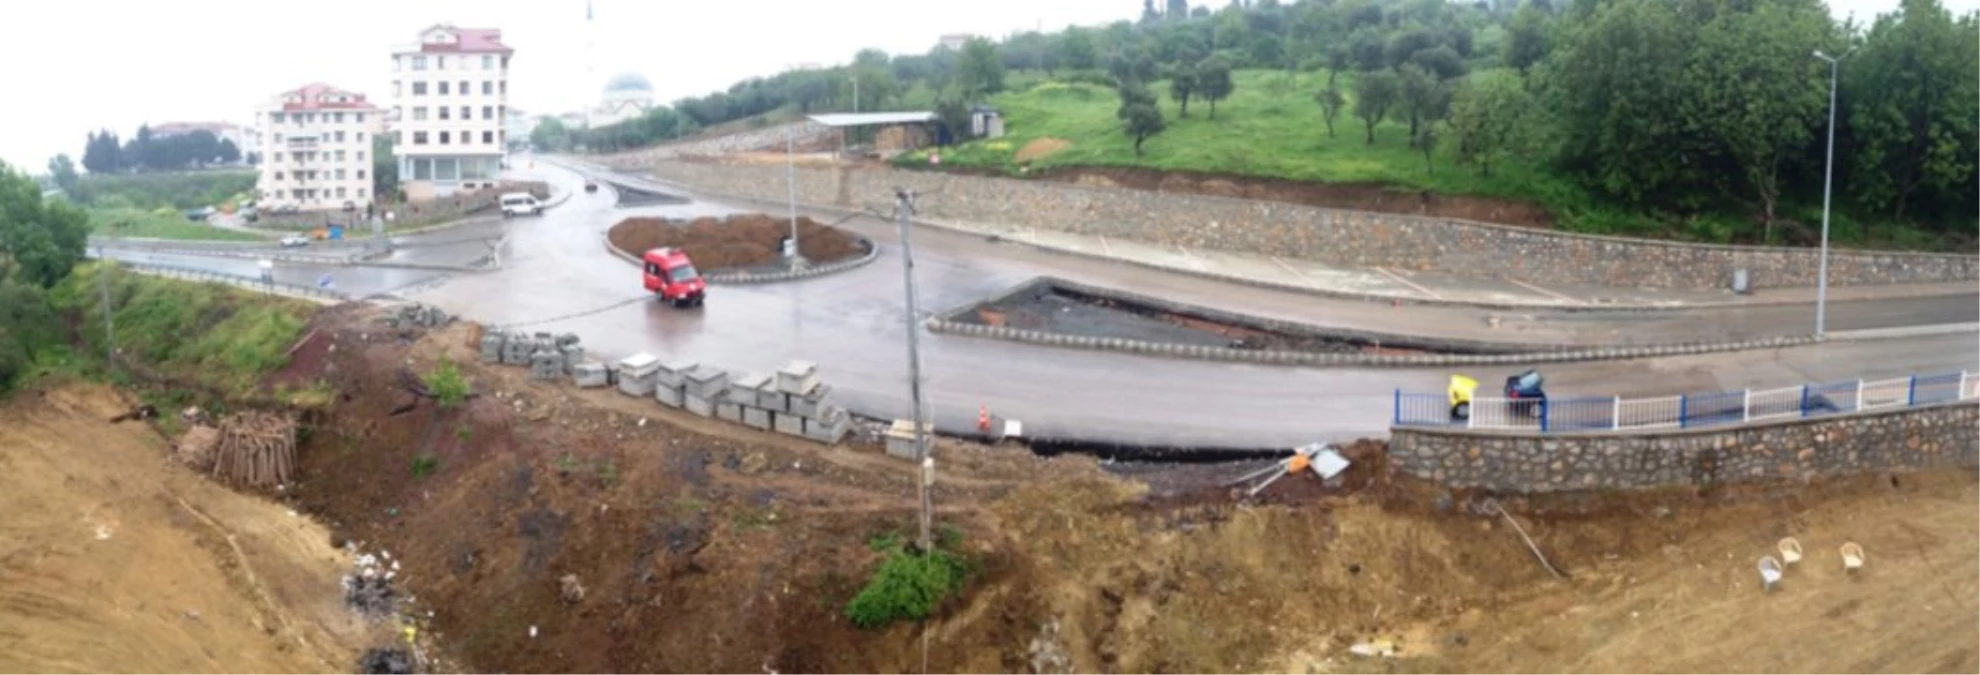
316,149
450,94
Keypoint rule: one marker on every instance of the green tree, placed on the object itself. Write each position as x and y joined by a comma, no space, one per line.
550,135
1331,101
384,168
1178,10
980,71
28,323
102,154
1076,49
1526,38
228,152
1421,96
1374,93
1910,94
1756,93
62,170
1182,83
1213,81
1139,116
44,239
1488,112
953,114
1148,13
1616,82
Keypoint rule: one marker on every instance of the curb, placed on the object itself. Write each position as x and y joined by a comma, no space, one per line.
745,278
1207,353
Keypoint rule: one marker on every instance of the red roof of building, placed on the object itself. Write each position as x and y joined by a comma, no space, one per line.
313,97
468,40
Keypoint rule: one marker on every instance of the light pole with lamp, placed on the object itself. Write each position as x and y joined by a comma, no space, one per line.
1828,179
790,174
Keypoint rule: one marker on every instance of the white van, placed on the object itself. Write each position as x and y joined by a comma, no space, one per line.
521,204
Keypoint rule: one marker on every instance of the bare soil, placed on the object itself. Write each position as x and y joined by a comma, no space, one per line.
114,558
705,546
1349,196
745,241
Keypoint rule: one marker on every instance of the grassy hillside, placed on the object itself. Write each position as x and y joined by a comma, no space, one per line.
177,190
165,223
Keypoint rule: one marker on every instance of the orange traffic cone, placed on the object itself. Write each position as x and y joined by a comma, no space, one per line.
983,419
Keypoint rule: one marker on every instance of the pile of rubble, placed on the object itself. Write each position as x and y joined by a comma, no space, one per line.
547,356
417,315
368,588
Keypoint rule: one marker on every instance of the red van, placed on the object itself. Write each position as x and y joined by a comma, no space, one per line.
670,274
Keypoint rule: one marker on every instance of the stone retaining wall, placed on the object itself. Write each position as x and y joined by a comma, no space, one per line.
1348,238
1903,439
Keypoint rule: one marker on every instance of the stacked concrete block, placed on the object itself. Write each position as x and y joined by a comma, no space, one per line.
491,345
745,392
590,375
900,439
517,349
669,385
810,404
573,353
787,423
704,387
829,425
546,363
797,377
729,410
637,374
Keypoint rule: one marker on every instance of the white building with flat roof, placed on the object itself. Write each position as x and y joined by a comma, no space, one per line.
316,149
450,93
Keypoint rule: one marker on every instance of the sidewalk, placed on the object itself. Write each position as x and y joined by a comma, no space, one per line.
1425,287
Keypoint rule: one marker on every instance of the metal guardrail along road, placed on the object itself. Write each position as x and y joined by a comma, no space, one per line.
1685,411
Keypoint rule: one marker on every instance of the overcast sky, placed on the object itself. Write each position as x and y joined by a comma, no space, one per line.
78,65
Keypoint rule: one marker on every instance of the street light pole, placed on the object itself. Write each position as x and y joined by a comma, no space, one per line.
903,207
790,173
1828,179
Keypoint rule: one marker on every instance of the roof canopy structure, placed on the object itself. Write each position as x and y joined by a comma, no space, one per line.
872,119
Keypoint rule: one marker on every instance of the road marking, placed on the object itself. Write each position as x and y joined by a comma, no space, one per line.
1544,291
1411,284
1103,246
1034,234
1290,268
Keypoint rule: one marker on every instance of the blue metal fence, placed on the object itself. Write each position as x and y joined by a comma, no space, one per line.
1688,410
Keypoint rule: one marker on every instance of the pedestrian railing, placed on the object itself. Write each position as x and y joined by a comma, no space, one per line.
1684,411
252,283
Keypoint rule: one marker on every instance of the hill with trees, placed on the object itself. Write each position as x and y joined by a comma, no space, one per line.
1697,119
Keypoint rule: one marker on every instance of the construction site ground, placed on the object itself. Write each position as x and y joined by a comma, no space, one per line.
710,547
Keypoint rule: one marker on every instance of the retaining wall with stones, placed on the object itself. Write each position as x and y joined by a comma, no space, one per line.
1331,236
1905,439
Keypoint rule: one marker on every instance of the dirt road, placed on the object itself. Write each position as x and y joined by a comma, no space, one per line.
115,559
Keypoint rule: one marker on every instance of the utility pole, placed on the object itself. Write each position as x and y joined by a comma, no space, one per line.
1828,177
109,324
904,207
790,173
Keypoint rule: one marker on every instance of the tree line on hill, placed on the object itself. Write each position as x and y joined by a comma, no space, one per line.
1667,105
146,151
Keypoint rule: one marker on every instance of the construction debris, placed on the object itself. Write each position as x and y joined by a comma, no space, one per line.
196,447
368,587
417,315
257,448
570,589
1494,505
1320,458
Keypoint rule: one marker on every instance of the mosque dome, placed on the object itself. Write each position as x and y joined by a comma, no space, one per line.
628,82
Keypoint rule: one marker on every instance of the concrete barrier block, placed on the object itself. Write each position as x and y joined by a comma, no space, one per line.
774,401
674,373
637,374
730,411
669,396
788,423
797,377
828,432
808,405
707,382
756,417
590,375
698,405
491,346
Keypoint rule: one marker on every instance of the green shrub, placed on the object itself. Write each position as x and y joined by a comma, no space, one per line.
446,384
907,586
424,464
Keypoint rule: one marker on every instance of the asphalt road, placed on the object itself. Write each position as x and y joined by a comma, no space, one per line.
557,276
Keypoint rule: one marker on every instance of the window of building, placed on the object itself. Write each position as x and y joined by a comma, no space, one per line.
419,114
466,137
444,137
504,86
340,155
446,169
340,174
419,138
360,190
467,112
360,117
360,157
419,63
465,89
278,157
296,193
487,86
337,117
360,176
419,88
340,193
446,112
278,139
278,175
275,117
442,65
488,112
422,169
357,136
505,63
488,137
340,138
487,61
443,89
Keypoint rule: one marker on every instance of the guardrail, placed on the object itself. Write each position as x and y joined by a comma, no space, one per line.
254,283
1684,411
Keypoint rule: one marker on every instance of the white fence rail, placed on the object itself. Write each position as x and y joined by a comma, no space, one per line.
1688,410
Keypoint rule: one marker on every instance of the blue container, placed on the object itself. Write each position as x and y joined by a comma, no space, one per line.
336,232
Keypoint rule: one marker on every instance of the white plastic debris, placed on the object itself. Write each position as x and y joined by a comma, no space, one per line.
532,631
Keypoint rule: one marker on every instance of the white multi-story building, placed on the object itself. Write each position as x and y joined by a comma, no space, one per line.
450,94
316,149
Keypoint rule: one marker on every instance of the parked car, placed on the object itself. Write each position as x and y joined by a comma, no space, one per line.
521,204
294,240
590,185
200,214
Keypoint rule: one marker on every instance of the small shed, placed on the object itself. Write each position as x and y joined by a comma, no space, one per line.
985,122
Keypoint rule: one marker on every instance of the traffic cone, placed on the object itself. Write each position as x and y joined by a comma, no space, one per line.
983,419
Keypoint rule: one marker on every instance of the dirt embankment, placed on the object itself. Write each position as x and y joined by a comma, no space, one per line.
708,547
737,242
114,558
1349,196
